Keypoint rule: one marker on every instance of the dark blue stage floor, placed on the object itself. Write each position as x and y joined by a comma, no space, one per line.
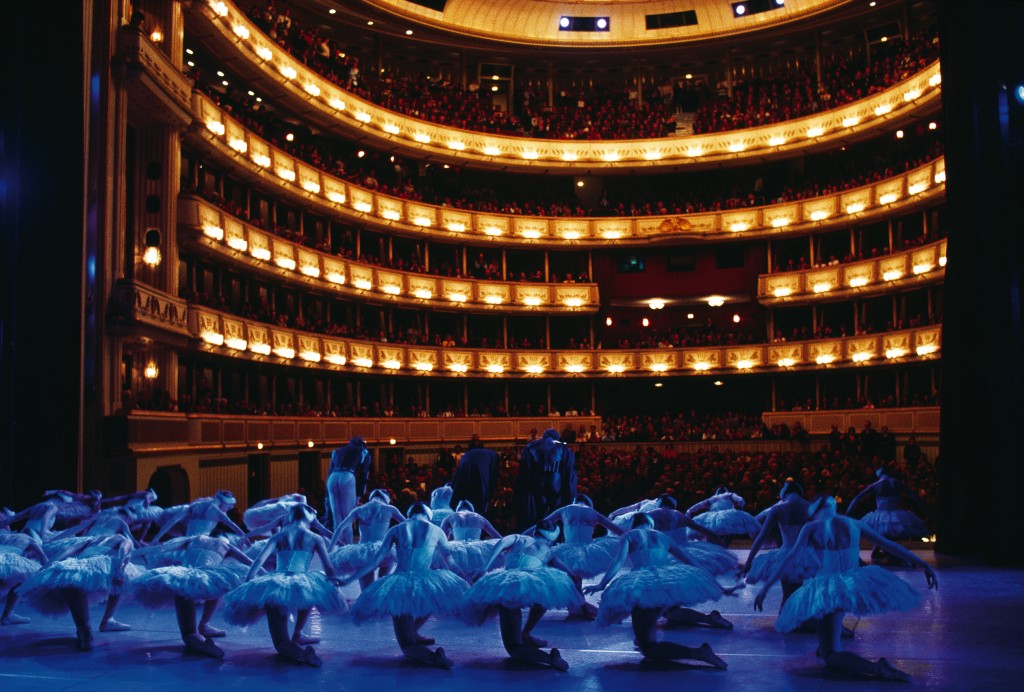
967,635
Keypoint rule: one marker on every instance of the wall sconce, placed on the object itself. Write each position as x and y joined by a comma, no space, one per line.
151,255
151,371
157,36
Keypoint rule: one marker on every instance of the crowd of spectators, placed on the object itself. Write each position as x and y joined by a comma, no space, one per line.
800,263
603,111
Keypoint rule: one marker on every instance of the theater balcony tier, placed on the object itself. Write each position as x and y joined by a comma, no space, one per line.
227,335
158,94
915,420
875,276
281,79
227,143
245,246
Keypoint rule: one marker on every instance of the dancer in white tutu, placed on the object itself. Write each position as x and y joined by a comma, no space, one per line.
583,555
623,516
291,587
39,518
373,520
415,591
842,585
202,516
463,527
440,504
81,507
271,515
787,517
21,556
526,582
87,572
888,519
722,518
655,583
203,575
109,521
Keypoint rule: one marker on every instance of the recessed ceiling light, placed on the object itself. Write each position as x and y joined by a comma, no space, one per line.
332,11
408,32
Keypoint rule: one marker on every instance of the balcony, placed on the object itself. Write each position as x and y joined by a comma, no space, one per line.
875,276
239,243
262,63
158,94
228,143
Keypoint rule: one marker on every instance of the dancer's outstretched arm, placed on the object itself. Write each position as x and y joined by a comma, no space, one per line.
800,545
340,528
687,521
613,569
770,523
264,555
378,557
859,497
896,549
488,528
175,519
499,547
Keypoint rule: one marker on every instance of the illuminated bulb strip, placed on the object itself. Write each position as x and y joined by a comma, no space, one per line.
575,368
336,277
458,367
362,362
940,177
492,231
786,362
530,155
457,146
286,174
236,243
492,151
737,147
239,145
858,281
779,223
237,344
694,152
424,367
854,208
815,132
862,356
262,349
312,89
213,338
917,187
659,367
532,301
573,302
421,138
942,261
310,270
782,292
216,127
534,369
495,368
911,95
391,129
744,364
935,79
364,207
819,215
611,235
311,186
261,160
493,300
822,287
824,359
391,289
532,234
215,232
390,215
423,294
260,253
219,8
285,352
776,141
926,349
701,367
265,53
363,117
457,297
456,227
335,359
311,356
285,262
569,156
883,109
611,157
652,155
289,72
892,353
716,301
923,268
892,275
736,227
888,199
337,104
617,369
571,235
656,304
392,364
362,284
850,122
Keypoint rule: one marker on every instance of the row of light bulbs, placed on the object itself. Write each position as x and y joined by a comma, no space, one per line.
861,281
390,127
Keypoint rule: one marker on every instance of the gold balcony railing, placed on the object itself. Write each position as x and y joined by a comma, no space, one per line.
917,419
229,143
227,29
233,239
871,276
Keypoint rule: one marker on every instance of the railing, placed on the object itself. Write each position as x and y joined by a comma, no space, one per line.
247,154
225,25
924,419
233,239
160,79
875,275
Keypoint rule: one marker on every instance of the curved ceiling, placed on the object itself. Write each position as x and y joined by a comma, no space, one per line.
536,22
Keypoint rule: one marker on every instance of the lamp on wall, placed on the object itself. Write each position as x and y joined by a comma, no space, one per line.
151,255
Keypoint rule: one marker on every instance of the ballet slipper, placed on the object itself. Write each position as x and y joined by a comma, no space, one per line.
197,644
209,631
715,619
15,619
440,660
310,658
704,653
886,671
113,625
557,662
85,639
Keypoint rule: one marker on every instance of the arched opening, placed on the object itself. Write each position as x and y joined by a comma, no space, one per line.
171,486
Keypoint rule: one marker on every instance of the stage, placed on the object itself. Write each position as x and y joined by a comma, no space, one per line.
967,635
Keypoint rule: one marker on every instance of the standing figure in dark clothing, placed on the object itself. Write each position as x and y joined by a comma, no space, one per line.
476,478
346,481
546,481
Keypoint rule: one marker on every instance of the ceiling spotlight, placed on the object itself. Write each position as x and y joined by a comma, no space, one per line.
408,32
369,23
899,134
718,383
331,11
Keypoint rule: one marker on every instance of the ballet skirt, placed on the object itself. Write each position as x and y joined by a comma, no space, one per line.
416,592
290,587
256,518
625,521
585,560
894,523
170,552
708,556
803,566
15,568
352,557
526,581
88,572
843,585
656,581
723,519
55,548
203,575
468,553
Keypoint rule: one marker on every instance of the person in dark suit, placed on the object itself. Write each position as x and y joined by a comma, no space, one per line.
546,481
476,477
346,481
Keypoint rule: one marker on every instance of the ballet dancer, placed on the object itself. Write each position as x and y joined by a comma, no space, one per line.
291,587
841,585
721,516
526,582
109,521
21,556
888,519
440,504
271,515
373,519
414,591
655,583
203,516
40,517
468,553
81,507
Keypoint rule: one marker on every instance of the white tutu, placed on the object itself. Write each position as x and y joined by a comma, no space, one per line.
729,522
162,554
859,591
15,569
89,574
708,556
663,586
896,524
71,513
158,587
416,594
290,591
804,566
353,557
546,587
469,557
586,560
55,548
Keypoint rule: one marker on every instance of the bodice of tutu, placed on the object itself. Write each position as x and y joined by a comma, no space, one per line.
371,531
887,503
579,533
523,561
789,533
465,533
720,504
415,559
836,560
649,557
294,561
200,527
678,535
439,514
201,557
10,549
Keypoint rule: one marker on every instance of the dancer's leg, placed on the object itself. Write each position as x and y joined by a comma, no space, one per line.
645,621
78,604
108,623
678,616
205,628
585,611
830,632
406,632
10,617
277,621
301,618
532,618
186,612
512,638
